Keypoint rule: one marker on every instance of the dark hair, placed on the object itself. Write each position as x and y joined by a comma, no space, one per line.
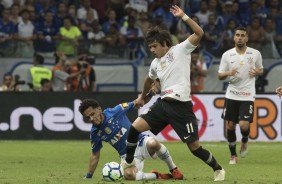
196,50
160,35
39,58
44,81
7,74
86,103
241,28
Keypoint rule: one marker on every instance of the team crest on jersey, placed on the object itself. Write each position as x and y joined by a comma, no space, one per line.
108,130
250,61
170,57
92,144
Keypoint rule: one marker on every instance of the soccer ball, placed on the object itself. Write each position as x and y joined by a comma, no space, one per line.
112,171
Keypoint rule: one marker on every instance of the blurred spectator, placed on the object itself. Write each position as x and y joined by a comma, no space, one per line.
139,5
46,85
7,31
43,6
72,13
256,34
9,83
229,12
111,19
203,13
100,7
32,14
97,39
84,42
61,79
25,34
48,34
60,14
114,42
198,71
134,38
85,7
164,12
118,6
213,37
86,81
143,22
37,72
228,35
269,49
15,13
70,36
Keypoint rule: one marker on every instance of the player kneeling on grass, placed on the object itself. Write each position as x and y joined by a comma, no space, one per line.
112,125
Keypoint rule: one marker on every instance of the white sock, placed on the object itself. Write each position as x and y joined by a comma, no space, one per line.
164,155
145,176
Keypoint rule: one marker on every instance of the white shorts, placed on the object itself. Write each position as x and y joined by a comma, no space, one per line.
141,153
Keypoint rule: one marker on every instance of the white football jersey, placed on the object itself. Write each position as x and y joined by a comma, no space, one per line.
173,71
241,86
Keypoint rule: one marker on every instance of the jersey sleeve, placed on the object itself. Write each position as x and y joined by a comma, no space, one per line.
96,143
223,67
152,71
259,61
124,107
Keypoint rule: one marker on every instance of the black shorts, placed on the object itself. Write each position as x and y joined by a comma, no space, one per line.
235,110
178,114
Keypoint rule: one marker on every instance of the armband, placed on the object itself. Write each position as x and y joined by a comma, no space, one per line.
185,17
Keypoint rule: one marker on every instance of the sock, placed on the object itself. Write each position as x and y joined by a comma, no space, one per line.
164,155
231,137
207,157
245,135
131,144
145,176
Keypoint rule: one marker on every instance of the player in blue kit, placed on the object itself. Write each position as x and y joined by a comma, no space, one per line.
112,125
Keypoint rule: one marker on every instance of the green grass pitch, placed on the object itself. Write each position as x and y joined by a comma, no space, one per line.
65,162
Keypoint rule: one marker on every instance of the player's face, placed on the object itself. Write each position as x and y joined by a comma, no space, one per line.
94,115
240,38
157,49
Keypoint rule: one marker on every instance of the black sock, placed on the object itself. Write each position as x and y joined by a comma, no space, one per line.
231,137
207,157
131,144
245,135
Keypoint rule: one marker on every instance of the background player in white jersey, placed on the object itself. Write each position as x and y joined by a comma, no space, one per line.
172,67
112,125
241,64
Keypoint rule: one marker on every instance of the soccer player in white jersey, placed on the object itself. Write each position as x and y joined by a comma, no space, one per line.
172,67
241,65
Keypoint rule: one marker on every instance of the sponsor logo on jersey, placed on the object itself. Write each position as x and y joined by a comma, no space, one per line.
240,93
249,53
108,130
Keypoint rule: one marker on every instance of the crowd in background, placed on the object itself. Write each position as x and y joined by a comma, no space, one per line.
117,27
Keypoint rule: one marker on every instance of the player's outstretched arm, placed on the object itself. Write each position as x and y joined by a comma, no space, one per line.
198,31
93,162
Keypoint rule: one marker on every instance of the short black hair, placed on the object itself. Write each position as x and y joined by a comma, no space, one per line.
44,81
86,103
39,58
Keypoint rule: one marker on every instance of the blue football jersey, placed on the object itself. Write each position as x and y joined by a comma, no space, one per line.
113,130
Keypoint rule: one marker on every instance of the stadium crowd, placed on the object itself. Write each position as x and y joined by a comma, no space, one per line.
117,27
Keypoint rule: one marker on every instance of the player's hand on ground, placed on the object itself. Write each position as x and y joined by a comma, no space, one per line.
279,91
176,11
88,176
